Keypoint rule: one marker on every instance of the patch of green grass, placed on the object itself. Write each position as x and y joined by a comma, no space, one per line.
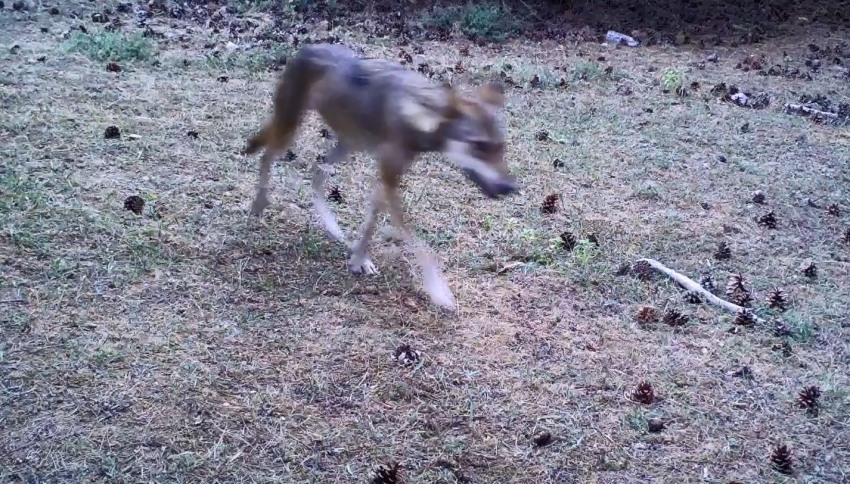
111,46
673,80
487,21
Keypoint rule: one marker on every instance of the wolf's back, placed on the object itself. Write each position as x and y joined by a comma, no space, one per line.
291,97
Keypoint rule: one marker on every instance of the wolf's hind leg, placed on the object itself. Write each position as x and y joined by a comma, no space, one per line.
360,260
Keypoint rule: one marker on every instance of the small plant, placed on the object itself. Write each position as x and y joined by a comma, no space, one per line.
673,81
111,46
487,21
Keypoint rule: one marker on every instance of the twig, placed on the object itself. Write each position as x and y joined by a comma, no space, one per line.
13,301
691,285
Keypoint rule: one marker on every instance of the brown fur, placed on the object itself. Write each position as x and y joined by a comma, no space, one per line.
395,114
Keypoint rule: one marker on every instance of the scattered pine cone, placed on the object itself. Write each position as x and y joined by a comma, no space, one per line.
644,393
643,270
834,210
777,299
692,297
324,133
135,204
406,355
768,220
808,399
192,134
568,240
655,425
781,460
737,292
675,318
334,195
112,132
542,439
758,197
113,67
222,79
784,347
386,475
707,283
723,251
846,238
780,329
811,271
542,135
745,318
558,163
593,239
290,155
646,315
550,203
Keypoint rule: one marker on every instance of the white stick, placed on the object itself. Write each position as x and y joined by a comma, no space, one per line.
691,285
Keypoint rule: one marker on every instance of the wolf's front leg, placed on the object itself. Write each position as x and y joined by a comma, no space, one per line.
360,261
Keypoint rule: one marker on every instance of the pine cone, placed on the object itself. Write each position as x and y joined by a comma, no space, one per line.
290,155
675,318
745,318
593,239
335,195
550,203
777,299
112,132
737,292
781,460
834,210
784,347
646,315
846,237
758,197
723,251
135,204
811,271
768,220
643,270
644,393
384,475
707,283
808,399
568,240
542,135
324,133
693,297
780,329
406,355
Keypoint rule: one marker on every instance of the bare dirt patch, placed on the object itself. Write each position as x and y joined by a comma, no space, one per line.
179,340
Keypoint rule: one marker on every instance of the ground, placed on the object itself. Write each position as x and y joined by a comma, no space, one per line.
194,343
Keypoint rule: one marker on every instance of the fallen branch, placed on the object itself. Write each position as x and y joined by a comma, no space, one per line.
810,112
693,286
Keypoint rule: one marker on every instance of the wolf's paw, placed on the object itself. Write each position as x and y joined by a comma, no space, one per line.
361,264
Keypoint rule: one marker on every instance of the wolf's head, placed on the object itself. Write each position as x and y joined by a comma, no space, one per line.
475,142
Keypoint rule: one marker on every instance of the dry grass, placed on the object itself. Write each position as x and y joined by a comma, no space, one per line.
193,344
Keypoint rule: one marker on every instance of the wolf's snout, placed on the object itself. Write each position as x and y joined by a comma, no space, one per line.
492,189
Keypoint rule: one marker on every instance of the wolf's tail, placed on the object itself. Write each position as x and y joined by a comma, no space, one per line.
291,97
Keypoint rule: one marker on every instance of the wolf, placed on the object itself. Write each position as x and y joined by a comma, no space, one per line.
377,107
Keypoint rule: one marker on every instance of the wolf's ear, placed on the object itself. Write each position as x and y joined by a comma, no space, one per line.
493,94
